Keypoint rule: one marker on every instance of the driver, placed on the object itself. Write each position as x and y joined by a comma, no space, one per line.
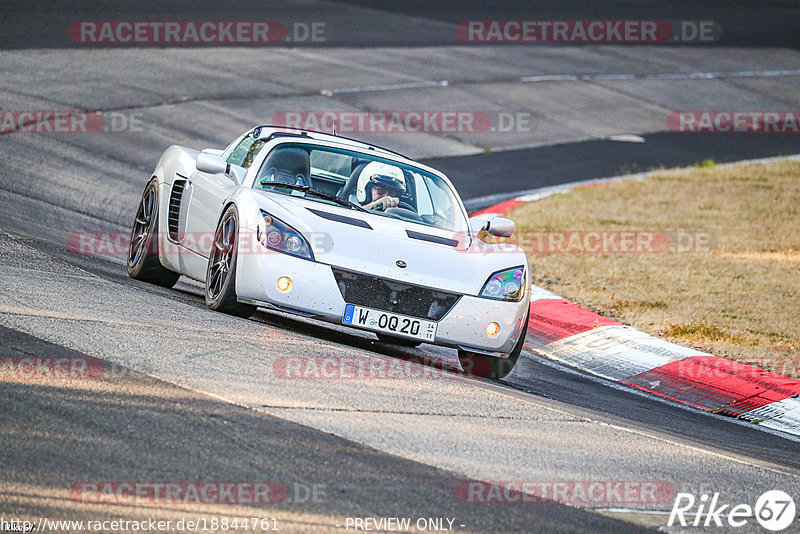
380,186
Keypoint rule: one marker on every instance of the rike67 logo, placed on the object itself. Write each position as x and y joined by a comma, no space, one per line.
774,510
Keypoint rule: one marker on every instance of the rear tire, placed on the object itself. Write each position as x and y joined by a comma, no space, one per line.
143,262
475,364
221,271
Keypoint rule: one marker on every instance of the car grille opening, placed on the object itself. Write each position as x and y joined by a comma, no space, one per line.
393,296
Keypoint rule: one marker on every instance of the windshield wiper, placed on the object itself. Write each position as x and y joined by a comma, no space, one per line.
316,192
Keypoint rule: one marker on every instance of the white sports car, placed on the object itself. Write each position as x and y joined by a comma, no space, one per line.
327,227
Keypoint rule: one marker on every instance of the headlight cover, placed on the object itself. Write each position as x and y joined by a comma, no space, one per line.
276,235
508,284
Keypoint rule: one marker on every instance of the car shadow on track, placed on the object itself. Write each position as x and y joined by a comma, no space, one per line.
440,358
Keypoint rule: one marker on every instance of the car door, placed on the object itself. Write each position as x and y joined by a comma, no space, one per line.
209,191
206,192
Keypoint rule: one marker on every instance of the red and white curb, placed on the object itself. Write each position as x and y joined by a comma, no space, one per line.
565,332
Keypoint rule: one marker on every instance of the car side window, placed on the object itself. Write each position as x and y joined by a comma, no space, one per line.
245,152
424,202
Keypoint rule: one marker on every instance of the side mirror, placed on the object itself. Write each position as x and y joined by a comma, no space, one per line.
501,227
211,164
213,151
496,226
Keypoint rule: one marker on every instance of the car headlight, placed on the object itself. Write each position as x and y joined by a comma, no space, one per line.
505,285
276,235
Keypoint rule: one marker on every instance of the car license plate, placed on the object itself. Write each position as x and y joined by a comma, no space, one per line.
390,323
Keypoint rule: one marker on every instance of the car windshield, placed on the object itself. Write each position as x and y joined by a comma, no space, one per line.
378,185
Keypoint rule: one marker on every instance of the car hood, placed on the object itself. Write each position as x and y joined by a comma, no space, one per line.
379,245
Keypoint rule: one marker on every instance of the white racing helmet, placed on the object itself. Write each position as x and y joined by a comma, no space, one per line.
377,173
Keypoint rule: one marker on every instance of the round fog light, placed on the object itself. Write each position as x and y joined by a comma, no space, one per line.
492,329
284,284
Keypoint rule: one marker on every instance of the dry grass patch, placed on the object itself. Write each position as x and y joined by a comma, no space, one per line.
736,295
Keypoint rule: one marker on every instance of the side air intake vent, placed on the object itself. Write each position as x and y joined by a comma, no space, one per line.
174,215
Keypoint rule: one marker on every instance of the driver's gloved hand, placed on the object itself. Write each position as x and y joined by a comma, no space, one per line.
387,202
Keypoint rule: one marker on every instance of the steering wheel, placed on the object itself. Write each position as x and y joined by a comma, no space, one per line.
402,205
403,213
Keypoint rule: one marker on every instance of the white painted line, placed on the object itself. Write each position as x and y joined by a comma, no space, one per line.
550,78
540,358
627,138
609,77
733,74
637,511
657,512
390,87
579,77
662,76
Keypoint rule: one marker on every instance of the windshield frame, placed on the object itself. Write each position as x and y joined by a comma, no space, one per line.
373,155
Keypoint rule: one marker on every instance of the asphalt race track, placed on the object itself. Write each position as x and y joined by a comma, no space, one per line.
186,394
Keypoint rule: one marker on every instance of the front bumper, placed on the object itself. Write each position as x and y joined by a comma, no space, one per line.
315,293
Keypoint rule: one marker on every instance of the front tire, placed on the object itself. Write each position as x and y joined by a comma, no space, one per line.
492,367
143,262
221,271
